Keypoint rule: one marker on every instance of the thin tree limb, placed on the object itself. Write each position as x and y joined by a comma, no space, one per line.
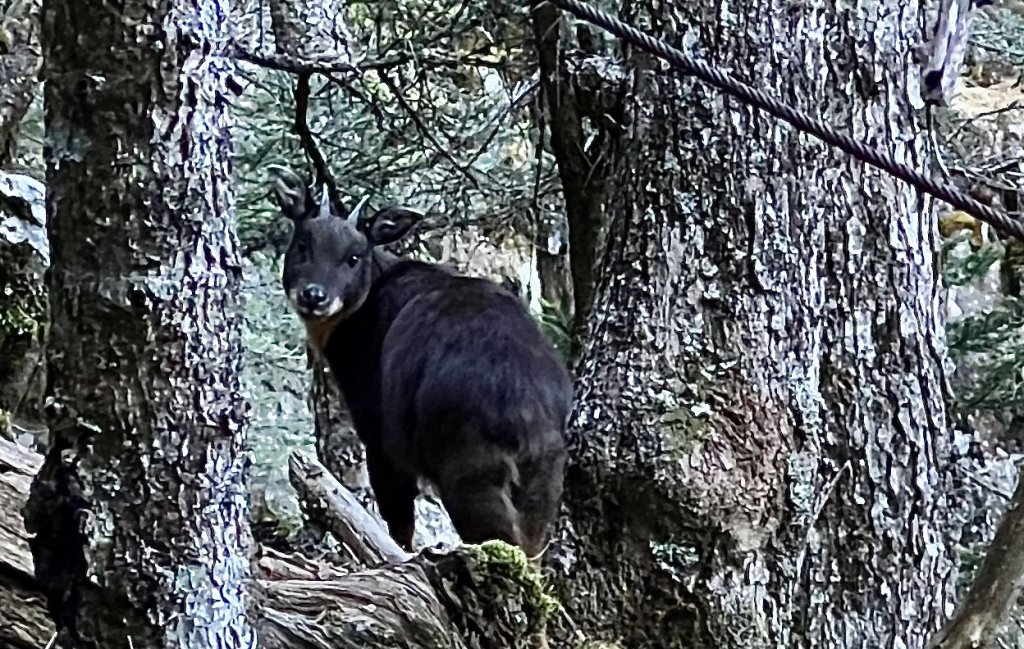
301,127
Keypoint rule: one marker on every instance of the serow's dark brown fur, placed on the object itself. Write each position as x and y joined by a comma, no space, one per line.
447,377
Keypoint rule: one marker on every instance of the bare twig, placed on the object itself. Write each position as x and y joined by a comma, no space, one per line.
296,65
425,132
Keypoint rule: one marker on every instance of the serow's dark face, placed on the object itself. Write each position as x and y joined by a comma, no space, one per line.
328,267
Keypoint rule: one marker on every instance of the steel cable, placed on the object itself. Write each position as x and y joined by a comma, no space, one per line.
954,197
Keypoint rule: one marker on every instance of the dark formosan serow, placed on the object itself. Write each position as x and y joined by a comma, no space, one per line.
447,377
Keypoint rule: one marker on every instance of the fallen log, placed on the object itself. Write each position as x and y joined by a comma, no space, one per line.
473,597
24,622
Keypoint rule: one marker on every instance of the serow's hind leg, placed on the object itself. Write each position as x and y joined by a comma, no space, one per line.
395,492
476,492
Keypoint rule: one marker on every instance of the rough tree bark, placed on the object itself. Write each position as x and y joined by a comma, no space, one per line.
21,262
760,453
19,65
24,623
311,30
140,510
24,256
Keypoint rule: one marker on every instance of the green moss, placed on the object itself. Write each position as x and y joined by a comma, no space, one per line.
503,564
23,296
495,595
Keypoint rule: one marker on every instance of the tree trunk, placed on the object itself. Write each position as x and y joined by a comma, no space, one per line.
19,64
582,166
141,508
311,30
760,453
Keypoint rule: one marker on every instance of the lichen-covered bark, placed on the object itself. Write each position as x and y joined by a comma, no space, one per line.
311,30
760,456
140,509
24,256
19,63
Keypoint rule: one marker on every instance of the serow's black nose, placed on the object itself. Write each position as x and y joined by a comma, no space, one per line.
313,296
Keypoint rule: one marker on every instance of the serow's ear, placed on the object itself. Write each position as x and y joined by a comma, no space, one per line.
292,193
389,225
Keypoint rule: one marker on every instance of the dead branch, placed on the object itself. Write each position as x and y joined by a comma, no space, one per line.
996,587
475,596
301,127
328,502
297,65
386,607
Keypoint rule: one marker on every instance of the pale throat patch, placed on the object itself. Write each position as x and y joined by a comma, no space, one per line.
319,331
320,328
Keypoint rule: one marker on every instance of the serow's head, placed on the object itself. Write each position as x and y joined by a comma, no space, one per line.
328,267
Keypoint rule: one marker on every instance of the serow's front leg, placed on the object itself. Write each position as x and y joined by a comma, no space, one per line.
396,496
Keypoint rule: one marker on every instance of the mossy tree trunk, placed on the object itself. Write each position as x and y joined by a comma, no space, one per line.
141,508
760,451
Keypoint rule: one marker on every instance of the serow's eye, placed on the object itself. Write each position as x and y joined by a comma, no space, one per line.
352,261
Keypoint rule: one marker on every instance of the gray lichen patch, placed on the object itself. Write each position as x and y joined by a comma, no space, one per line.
24,256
